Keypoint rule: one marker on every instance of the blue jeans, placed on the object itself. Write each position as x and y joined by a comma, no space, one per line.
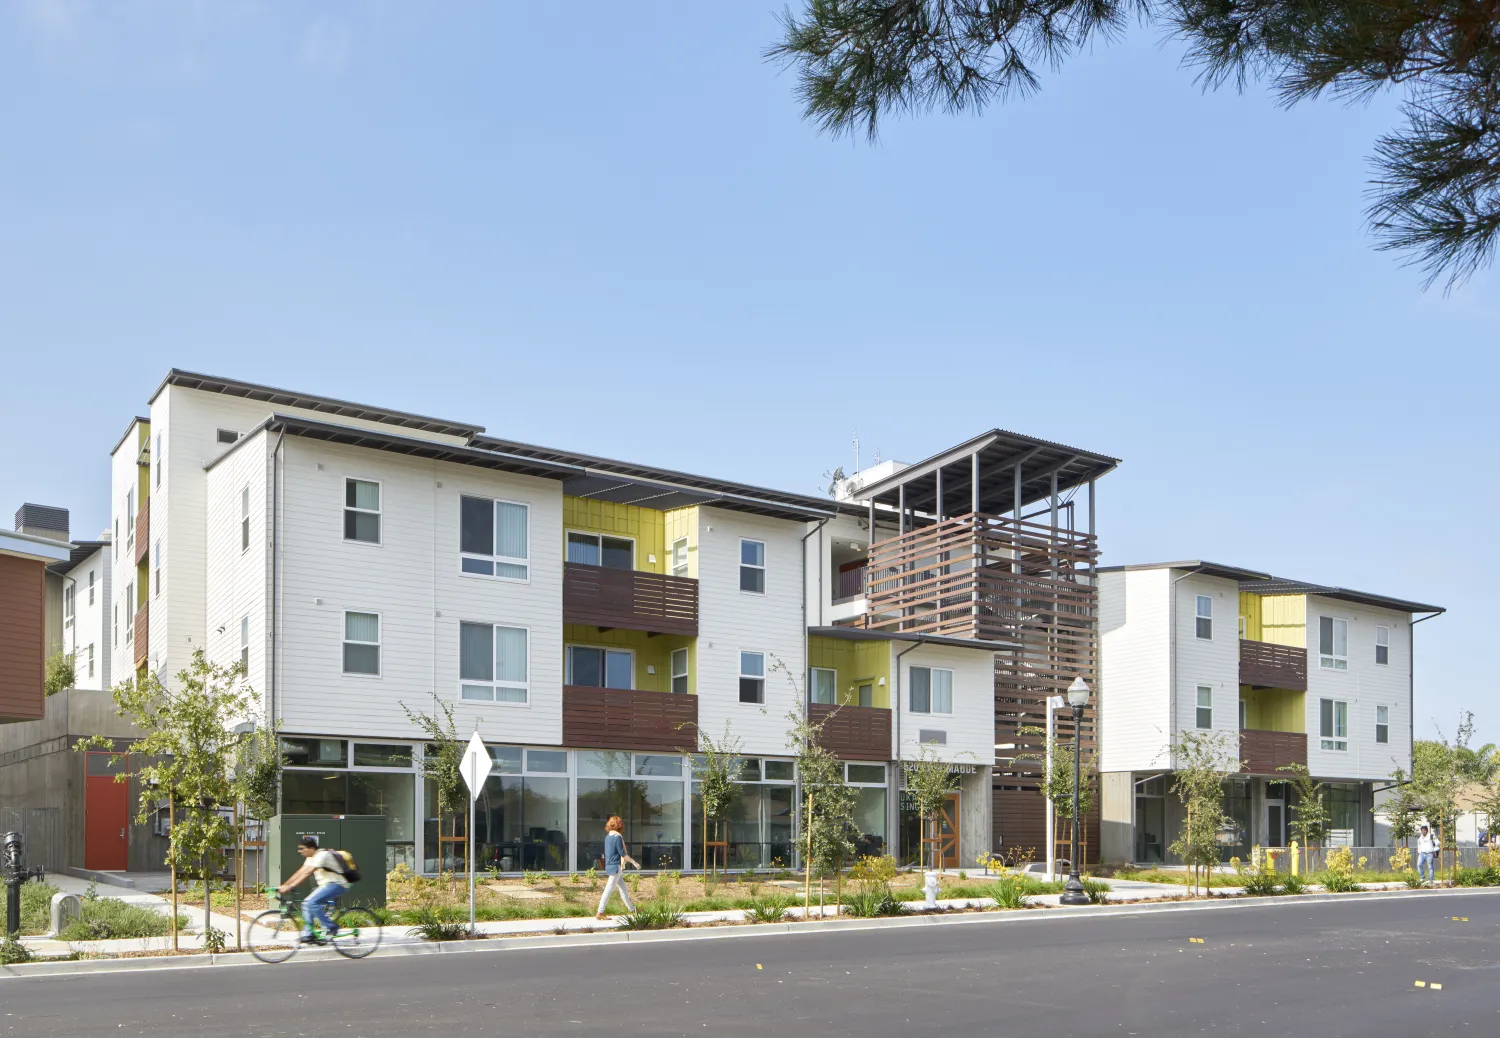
315,908
1424,866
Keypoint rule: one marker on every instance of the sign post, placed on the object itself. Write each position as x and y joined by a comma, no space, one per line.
475,769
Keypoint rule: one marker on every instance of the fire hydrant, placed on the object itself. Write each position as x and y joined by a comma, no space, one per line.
14,862
930,888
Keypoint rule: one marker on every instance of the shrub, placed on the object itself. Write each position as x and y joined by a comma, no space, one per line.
533,877
438,923
1466,877
1293,884
1258,880
1413,879
653,915
872,900
769,909
215,941
106,919
1097,891
1338,875
13,952
1010,892
1401,859
36,907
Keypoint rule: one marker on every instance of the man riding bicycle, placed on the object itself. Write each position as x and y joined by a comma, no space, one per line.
326,868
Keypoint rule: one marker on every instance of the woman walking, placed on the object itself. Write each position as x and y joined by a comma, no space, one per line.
615,860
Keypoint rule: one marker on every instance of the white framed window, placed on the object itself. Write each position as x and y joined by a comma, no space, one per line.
1244,627
226,435
1205,705
91,587
116,636
362,510
1382,724
493,538
1382,645
865,692
680,671
1333,724
493,664
245,644
931,690
752,677
116,539
158,557
161,457
680,557
130,521
68,592
823,682
130,611
244,518
597,549
1243,714
594,666
1205,616
753,566
91,659
362,643
1333,643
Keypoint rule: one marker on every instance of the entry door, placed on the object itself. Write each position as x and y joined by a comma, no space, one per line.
948,832
106,814
1276,823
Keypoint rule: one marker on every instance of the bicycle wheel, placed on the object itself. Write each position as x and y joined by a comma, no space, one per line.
273,936
359,933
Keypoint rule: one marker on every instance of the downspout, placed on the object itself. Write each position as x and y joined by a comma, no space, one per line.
806,644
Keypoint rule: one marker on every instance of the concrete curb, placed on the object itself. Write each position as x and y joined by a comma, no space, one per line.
597,938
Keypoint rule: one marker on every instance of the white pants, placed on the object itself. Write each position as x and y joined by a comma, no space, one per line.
616,884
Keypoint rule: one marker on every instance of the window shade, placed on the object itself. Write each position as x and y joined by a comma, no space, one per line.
510,530
476,658
362,627
510,654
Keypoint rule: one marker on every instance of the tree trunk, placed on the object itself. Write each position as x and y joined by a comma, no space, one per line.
807,865
239,868
172,857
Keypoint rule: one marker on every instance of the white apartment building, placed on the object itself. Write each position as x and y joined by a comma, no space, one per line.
1285,672
91,618
586,616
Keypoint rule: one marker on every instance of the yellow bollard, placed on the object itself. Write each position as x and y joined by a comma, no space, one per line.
1295,858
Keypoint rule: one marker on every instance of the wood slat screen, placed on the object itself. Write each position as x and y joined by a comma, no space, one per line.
142,634
854,732
630,599
142,532
1262,753
629,719
1273,666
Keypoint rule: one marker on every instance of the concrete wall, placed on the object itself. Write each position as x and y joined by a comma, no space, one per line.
1116,817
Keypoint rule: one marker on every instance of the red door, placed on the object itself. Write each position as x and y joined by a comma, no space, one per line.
106,814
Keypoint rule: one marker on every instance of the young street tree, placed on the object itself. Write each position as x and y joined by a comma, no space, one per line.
1309,811
1201,762
1057,783
827,815
1436,192
442,765
928,781
716,767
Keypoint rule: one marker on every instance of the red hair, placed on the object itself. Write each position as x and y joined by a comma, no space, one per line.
614,825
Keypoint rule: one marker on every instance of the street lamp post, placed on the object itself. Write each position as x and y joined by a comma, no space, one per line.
1078,698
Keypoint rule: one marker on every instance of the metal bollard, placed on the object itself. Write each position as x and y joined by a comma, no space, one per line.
15,874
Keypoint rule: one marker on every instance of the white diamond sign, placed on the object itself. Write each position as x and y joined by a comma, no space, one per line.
476,766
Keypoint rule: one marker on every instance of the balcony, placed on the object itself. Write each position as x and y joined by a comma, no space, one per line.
142,532
629,599
854,732
1265,665
617,718
142,635
1264,753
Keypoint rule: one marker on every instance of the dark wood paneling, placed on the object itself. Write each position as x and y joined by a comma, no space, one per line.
22,649
1262,753
142,531
1266,665
142,634
1019,820
629,719
854,732
630,599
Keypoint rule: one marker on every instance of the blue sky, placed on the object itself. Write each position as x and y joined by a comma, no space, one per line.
606,227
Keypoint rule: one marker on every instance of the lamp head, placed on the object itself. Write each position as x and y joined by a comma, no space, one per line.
1078,694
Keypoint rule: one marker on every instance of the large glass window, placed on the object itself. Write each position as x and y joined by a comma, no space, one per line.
593,549
592,667
314,793
521,822
652,811
931,690
1342,801
870,821
315,753
492,663
493,538
1333,643
362,511
392,795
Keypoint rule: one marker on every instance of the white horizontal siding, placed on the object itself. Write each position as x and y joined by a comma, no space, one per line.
970,728
238,578
1135,670
1364,686
1214,661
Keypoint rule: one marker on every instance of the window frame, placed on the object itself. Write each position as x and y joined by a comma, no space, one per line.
245,642
234,436
493,559
1199,710
604,664
130,521
761,677
1200,618
599,537
244,518
70,590
379,644
812,690
1244,627
1244,713
495,683
1382,727
1382,630
672,561
91,587
156,564
378,512
761,568
931,710
1332,660
159,458
91,659
686,674
1333,741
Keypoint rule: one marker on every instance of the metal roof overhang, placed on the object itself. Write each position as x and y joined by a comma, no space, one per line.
308,402
859,634
999,452
1209,569
1282,586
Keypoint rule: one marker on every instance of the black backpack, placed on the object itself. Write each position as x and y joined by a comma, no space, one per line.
347,867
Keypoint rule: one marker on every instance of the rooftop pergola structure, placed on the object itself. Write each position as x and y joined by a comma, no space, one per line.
988,546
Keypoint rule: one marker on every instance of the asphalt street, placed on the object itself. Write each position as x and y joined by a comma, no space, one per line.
1262,968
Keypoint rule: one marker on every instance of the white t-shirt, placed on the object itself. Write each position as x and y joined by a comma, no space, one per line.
1426,845
326,868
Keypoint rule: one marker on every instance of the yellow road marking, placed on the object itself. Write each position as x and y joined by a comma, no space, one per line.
1435,987
1421,983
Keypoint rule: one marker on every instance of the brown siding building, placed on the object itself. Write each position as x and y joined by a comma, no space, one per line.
23,576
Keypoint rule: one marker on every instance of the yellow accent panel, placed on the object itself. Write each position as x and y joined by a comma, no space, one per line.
644,525
1274,709
143,581
649,652
680,523
1284,620
854,662
1251,611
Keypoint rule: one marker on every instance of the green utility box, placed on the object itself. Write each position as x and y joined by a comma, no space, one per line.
361,835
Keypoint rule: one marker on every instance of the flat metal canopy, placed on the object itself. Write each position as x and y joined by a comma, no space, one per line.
998,452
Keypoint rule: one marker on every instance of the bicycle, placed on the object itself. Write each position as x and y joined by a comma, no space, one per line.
274,934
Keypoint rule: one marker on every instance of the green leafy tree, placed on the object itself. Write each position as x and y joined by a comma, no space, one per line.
1309,810
1057,782
61,672
1441,771
1402,809
1201,762
187,754
825,823
716,768
927,783
1436,191
442,765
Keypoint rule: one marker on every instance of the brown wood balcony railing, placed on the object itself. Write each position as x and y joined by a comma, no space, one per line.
142,532
630,599
1266,665
141,637
632,719
854,732
850,583
1264,753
